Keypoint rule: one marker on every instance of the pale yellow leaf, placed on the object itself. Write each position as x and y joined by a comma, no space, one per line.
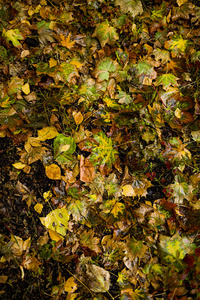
128,190
19,165
78,118
25,53
178,113
65,148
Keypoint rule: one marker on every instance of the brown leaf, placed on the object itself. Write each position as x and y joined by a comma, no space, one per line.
87,171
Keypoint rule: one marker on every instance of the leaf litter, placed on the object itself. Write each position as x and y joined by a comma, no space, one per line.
99,156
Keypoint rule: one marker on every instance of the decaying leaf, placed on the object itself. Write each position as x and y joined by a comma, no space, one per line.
98,278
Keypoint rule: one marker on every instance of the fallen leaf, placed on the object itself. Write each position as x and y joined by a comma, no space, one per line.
26,88
53,172
47,133
38,207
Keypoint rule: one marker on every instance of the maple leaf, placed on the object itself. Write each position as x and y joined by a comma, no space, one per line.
179,43
132,6
65,41
135,249
88,89
78,209
117,208
17,245
124,98
145,70
104,68
105,33
177,150
181,191
13,35
113,207
113,250
158,13
31,263
104,153
162,55
87,239
167,80
175,247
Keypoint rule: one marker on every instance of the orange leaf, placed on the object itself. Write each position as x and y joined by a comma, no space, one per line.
53,172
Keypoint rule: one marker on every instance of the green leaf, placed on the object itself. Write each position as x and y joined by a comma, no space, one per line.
180,191
104,152
158,13
88,89
124,98
13,35
68,71
104,68
87,239
64,147
162,55
105,33
132,6
143,67
78,209
113,206
166,80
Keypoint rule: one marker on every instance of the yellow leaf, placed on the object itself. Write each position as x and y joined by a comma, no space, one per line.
65,41
26,88
19,165
78,118
52,63
47,196
38,207
128,190
47,133
118,208
76,63
70,285
54,235
57,221
53,172
181,2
